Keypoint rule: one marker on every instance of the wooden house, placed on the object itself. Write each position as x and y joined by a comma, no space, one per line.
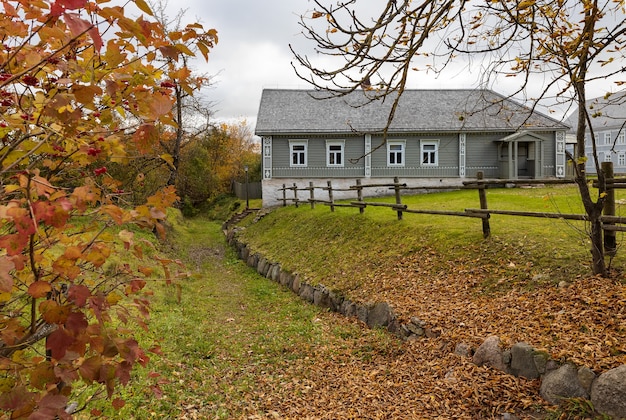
608,119
437,137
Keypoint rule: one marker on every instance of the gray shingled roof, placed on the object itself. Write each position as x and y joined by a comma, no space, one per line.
284,111
609,113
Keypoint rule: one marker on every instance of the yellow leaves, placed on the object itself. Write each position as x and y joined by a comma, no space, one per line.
525,4
168,159
316,15
143,6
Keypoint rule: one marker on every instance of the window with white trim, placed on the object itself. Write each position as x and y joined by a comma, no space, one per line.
621,138
621,159
607,157
429,152
607,138
298,152
395,153
335,153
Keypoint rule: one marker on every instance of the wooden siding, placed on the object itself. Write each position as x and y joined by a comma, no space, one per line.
448,156
482,154
354,148
549,154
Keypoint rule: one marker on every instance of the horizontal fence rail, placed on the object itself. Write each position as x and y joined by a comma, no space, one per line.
609,220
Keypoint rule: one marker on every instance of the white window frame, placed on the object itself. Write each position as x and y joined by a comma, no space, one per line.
304,152
621,159
396,152
621,138
432,153
607,138
333,153
607,157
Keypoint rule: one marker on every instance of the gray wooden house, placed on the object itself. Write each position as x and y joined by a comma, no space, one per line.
437,137
609,128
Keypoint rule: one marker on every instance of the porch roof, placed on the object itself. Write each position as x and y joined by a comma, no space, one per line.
521,135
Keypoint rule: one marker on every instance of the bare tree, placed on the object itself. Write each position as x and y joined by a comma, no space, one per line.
563,46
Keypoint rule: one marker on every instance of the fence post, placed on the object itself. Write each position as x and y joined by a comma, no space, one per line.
284,195
482,195
295,194
610,243
330,195
396,187
311,190
359,194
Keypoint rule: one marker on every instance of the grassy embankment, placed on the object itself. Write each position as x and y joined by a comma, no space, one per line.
238,345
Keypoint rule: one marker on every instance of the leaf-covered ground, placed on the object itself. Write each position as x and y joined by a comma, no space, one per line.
583,321
521,288
239,346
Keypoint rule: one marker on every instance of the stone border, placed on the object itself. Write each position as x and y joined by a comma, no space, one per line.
559,381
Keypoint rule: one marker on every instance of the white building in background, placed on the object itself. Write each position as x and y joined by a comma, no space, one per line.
609,128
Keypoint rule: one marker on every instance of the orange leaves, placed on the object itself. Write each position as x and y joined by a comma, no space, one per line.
39,289
144,137
161,105
85,94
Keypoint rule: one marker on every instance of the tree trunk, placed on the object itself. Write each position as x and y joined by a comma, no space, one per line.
597,247
179,137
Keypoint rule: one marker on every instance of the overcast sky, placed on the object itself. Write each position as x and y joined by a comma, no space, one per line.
253,52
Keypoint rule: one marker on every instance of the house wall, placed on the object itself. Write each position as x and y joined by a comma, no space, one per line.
613,150
549,154
479,155
482,154
448,156
316,157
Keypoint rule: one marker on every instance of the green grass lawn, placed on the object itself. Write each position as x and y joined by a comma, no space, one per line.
344,240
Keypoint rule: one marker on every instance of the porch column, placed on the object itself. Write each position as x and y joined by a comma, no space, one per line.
561,159
462,154
368,156
267,157
512,160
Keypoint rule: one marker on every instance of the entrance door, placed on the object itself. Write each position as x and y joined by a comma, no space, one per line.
522,160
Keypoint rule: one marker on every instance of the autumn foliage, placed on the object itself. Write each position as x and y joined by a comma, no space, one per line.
82,86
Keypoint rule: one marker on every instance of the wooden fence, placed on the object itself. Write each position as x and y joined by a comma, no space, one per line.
609,220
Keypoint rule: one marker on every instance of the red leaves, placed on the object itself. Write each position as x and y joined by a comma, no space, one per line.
6,280
58,342
90,369
80,26
18,400
51,406
59,6
78,294
13,243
